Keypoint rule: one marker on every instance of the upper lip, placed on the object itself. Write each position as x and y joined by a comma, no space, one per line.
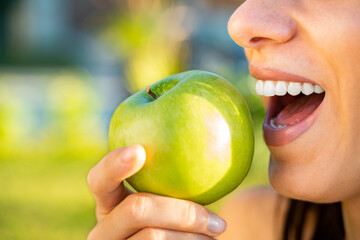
266,73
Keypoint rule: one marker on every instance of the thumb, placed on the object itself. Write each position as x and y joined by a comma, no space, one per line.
132,160
105,179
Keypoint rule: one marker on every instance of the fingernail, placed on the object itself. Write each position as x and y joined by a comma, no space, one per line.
129,154
132,153
216,225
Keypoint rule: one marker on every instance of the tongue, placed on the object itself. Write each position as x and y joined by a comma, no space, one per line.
298,110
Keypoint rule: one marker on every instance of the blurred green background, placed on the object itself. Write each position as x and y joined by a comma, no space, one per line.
64,68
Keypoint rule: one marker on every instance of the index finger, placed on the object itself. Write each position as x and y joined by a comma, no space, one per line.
106,178
145,210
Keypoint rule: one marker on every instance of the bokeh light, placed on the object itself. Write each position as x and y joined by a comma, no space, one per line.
64,68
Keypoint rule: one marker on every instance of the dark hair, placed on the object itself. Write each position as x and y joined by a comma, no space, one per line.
329,222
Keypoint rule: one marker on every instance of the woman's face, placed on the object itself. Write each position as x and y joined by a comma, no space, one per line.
315,154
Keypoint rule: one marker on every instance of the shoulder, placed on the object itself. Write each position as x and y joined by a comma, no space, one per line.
255,213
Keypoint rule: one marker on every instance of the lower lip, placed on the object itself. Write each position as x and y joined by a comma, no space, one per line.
282,136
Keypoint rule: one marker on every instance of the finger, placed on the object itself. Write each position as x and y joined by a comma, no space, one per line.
163,234
143,210
105,179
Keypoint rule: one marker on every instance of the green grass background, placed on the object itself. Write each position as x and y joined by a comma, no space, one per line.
43,169
54,120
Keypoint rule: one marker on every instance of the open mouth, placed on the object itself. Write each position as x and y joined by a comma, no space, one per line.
293,108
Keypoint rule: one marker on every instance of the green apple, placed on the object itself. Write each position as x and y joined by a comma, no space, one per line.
197,132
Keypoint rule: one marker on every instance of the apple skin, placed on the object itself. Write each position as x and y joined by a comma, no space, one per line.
198,136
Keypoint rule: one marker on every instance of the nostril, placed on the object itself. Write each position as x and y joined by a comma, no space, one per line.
256,39
257,42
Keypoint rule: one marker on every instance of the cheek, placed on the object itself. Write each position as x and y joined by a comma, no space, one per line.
337,40
343,38
248,54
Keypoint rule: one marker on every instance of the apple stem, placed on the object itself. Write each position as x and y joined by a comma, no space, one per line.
150,92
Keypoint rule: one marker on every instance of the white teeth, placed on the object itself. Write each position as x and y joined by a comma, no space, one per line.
269,89
259,87
318,89
307,88
272,123
294,88
280,88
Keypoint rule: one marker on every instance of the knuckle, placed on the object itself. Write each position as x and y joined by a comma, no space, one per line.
137,205
190,214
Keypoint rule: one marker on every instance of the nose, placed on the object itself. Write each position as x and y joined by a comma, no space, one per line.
257,23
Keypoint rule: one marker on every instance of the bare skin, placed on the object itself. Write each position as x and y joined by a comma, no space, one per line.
318,40
122,215
259,214
315,39
254,209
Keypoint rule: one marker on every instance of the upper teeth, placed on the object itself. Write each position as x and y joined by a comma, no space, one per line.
280,88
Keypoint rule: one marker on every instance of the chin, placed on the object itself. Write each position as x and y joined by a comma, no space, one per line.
304,182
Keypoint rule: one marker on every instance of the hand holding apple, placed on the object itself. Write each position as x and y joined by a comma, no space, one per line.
197,133
121,214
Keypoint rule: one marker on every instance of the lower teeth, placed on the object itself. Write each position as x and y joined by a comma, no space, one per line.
272,124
